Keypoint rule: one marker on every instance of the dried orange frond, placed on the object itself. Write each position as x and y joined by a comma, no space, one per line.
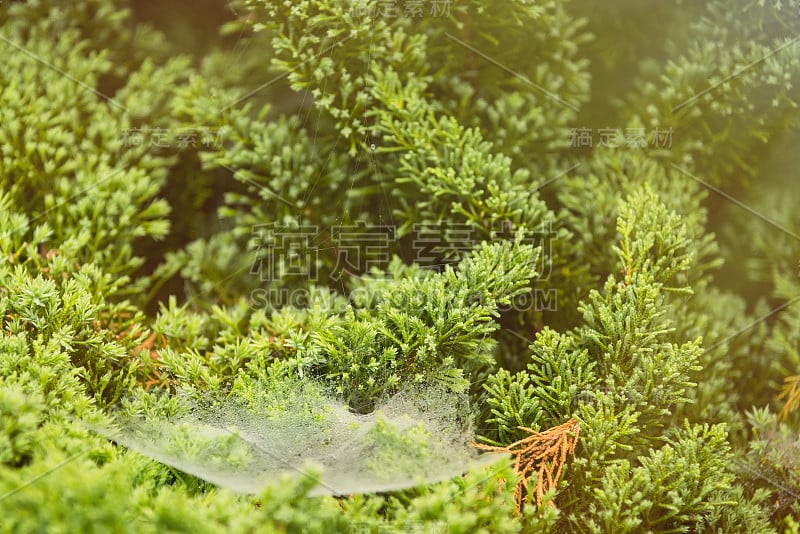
791,392
544,453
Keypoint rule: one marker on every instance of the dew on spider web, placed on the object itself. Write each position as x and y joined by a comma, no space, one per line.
418,436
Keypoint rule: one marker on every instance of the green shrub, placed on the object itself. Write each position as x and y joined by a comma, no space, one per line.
323,209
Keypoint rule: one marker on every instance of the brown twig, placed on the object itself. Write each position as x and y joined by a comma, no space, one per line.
791,392
544,453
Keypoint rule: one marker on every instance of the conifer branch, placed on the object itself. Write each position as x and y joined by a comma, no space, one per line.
791,392
543,453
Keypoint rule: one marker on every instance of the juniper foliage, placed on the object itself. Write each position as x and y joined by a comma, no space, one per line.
131,259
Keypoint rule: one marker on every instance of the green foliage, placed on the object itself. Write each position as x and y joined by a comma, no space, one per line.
674,488
133,272
733,110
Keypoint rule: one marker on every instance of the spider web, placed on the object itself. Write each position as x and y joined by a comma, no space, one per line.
418,436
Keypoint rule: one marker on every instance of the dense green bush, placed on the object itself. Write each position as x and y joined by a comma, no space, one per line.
556,212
